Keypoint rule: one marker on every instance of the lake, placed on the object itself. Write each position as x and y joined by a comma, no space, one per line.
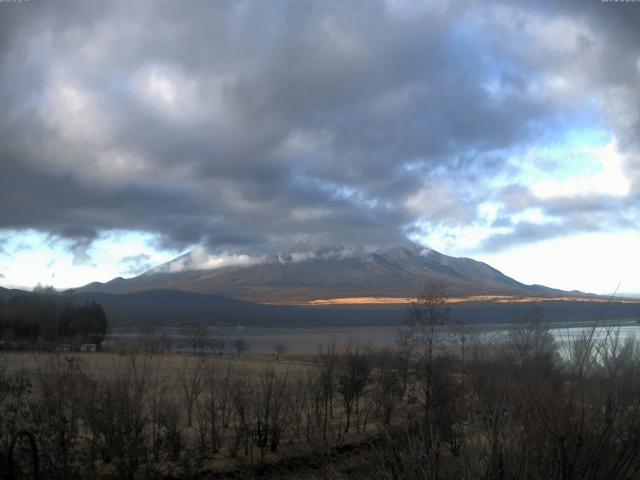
306,340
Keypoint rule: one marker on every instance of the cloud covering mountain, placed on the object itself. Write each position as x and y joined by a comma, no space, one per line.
314,271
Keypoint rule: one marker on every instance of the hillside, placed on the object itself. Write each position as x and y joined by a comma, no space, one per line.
310,272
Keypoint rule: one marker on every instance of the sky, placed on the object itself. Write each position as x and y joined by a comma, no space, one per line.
132,132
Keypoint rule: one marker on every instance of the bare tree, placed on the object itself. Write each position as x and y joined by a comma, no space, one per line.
217,341
531,347
327,383
279,349
243,413
423,332
461,333
239,346
166,342
215,407
117,415
196,334
62,383
271,409
190,378
389,383
353,376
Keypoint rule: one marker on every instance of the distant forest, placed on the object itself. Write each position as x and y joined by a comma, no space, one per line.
46,316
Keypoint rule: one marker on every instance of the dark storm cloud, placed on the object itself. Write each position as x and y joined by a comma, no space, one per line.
78,240
247,124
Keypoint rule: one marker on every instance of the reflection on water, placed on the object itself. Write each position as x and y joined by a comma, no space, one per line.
306,340
263,340
570,334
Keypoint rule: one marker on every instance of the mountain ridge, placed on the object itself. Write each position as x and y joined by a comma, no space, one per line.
308,272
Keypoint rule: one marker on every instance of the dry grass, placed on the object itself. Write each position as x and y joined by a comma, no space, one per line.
170,364
473,298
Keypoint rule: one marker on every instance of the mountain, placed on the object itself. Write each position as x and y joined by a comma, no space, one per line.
310,271
172,307
7,293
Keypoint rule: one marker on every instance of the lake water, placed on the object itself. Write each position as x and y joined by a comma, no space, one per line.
306,340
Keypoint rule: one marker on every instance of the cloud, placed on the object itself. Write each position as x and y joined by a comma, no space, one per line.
136,264
200,258
242,126
78,240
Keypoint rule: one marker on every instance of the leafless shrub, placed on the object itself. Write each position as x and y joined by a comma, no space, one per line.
191,385
117,415
271,410
239,346
279,350
196,334
62,385
389,384
421,336
215,406
353,376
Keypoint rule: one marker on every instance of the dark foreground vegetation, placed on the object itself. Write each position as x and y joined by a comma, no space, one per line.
520,406
44,319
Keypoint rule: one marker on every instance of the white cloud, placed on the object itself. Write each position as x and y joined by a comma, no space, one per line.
199,258
530,215
611,178
456,240
439,200
75,113
594,262
51,263
166,90
182,98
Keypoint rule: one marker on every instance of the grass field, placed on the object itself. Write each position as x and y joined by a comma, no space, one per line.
524,401
228,412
